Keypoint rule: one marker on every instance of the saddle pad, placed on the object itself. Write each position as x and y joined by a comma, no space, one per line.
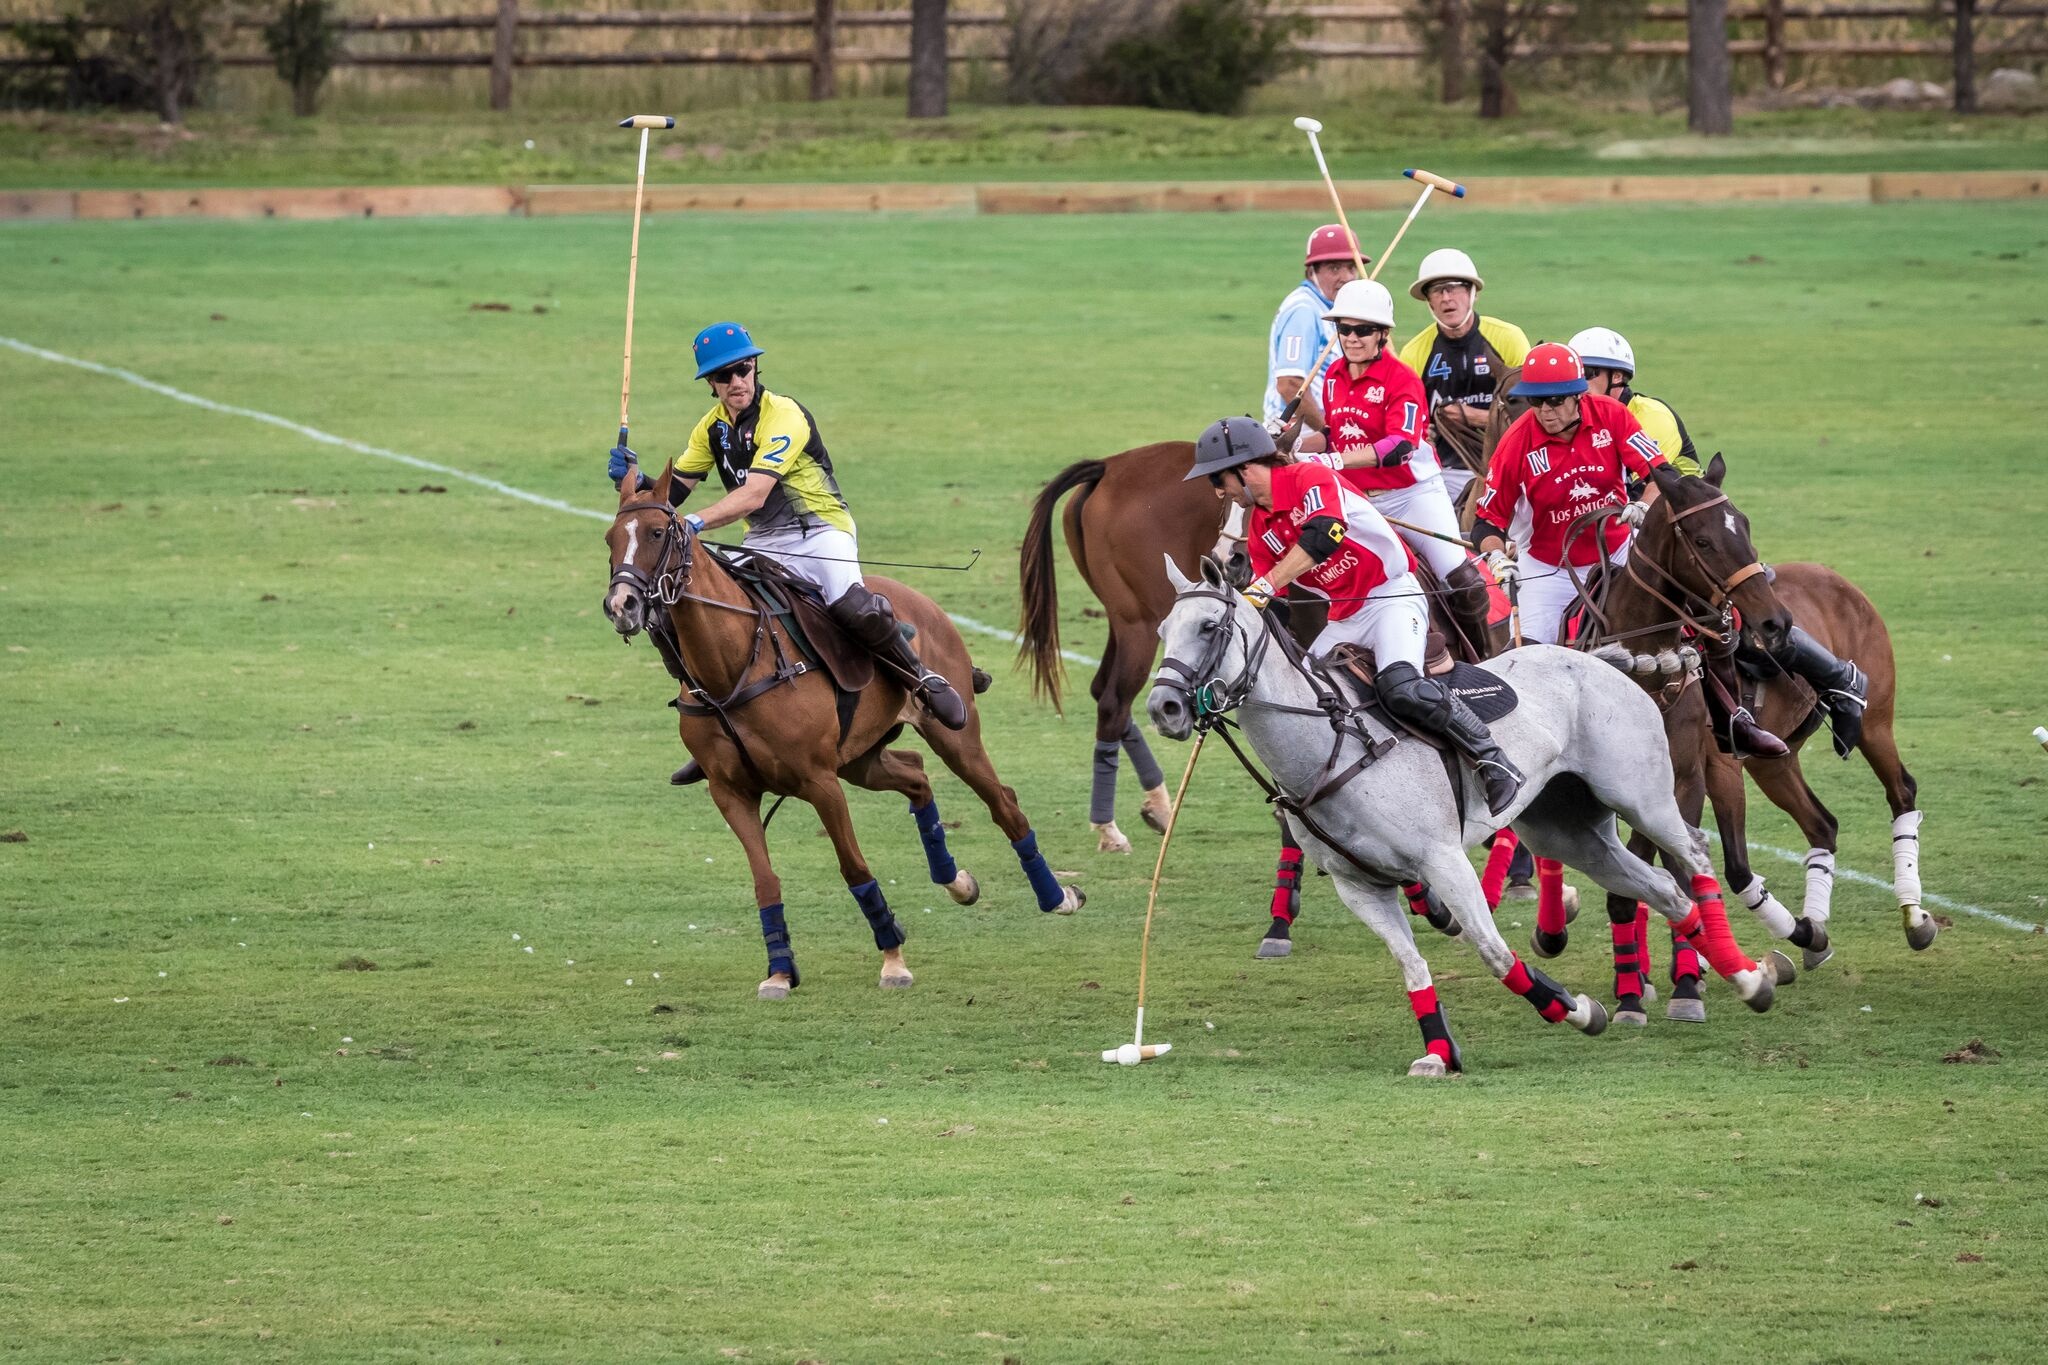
851,666
1486,693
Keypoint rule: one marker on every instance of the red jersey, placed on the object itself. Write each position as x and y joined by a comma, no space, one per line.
1559,480
1387,400
1368,555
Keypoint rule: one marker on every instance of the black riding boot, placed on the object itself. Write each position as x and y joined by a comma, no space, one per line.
1735,729
870,620
1427,703
1839,684
1470,607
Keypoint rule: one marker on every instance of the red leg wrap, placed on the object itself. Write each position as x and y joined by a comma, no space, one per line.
1545,999
1436,1038
1495,879
1287,885
1628,972
1643,939
1714,936
1418,897
1550,895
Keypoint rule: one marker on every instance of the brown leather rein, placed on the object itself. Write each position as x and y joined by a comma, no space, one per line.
1683,615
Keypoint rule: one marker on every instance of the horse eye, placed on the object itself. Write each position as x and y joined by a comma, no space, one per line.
660,531
1210,627
1703,542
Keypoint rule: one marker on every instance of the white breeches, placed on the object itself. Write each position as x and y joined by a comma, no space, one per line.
1395,627
828,556
1456,480
1425,504
1546,594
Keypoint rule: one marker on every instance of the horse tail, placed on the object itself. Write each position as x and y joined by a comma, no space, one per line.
1669,663
1038,642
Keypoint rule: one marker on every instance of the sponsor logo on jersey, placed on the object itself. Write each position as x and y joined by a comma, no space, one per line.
1479,365
1376,394
1644,445
1602,439
1351,431
1273,542
1581,491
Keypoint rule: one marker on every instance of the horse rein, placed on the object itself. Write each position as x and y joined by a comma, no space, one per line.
1718,598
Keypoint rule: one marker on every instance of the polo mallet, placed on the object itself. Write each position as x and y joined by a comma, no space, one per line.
1312,128
645,123
1430,182
1425,531
1138,1050
1515,602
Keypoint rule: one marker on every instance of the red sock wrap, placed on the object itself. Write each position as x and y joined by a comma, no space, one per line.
1436,1039
1628,970
1707,927
1287,884
1495,879
1550,895
1542,992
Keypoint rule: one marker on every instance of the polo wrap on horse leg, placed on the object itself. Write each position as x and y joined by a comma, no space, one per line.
1774,916
1820,884
1551,1000
871,621
1043,884
1628,964
1839,684
1429,705
932,835
1287,882
1470,607
888,933
1498,859
1906,857
1142,762
1436,1035
1550,912
1707,927
775,933
1102,793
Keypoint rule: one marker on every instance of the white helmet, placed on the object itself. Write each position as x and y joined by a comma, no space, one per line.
1445,263
1363,301
1603,348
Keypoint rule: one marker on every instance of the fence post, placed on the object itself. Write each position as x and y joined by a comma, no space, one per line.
1774,43
1966,56
824,48
501,54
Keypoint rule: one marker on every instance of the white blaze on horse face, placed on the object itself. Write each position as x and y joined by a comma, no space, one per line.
632,541
1728,518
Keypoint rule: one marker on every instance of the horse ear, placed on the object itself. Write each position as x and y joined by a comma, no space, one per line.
661,485
1717,469
1180,581
1667,478
1212,573
629,487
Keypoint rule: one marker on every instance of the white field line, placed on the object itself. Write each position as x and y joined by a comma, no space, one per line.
556,505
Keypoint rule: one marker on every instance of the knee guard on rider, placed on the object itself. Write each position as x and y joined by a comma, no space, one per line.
871,621
1429,705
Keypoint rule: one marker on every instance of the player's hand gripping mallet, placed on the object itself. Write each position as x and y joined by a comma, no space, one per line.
645,123
1138,1050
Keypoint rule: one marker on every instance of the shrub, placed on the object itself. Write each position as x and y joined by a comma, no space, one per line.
303,40
1054,43
1207,58
167,46
65,69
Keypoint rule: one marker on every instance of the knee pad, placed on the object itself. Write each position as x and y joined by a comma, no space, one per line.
1409,695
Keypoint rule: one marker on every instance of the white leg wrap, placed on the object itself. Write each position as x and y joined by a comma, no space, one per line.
1766,908
1820,883
1906,857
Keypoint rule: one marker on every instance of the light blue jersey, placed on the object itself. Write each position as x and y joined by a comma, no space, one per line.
1299,336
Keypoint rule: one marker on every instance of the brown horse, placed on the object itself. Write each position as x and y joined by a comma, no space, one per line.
761,719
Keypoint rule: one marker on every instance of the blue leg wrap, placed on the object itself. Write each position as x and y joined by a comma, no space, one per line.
775,933
944,869
1142,762
1043,884
888,934
1102,794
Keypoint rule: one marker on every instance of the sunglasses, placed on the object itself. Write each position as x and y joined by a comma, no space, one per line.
1554,401
731,372
1360,329
1445,286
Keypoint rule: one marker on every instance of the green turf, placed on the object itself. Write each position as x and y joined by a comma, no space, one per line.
1369,134
270,708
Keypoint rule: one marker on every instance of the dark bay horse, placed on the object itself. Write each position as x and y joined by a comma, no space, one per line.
758,724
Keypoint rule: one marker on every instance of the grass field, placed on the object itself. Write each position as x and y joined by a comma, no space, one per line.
1369,133
274,710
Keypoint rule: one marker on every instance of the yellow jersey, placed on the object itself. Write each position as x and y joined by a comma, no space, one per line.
1663,427
777,439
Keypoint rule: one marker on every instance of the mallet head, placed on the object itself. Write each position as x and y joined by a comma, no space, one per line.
1308,125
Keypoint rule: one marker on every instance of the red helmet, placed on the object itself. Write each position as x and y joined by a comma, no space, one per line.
1331,242
1552,368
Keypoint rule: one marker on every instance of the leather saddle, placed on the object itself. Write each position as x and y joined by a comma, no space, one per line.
797,606
1351,669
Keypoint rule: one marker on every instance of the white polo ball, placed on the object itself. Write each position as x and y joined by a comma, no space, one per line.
1127,1055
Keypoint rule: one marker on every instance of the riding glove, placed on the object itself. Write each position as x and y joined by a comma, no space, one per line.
1259,592
1503,567
1633,514
622,460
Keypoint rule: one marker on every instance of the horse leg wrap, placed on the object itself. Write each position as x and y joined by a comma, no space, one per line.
1418,898
888,933
933,835
1707,926
1142,761
1102,792
1550,895
1436,1035
775,933
1495,879
1685,959
1628,965
1776,918
1906,857
1551,1000
1820,883
1043,884
1287,885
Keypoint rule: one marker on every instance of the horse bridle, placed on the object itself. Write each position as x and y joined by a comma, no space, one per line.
1717,599
671,575
1207,695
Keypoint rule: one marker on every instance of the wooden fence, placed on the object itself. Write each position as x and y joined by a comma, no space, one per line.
818,29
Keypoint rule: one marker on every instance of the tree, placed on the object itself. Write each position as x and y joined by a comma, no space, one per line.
1710,108
928,58
169,46
303,40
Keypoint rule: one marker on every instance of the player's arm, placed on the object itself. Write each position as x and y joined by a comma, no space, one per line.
1295,351
1497,501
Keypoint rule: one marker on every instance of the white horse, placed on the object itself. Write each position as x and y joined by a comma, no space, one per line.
1589,741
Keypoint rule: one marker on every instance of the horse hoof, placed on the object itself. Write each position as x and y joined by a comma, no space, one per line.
1073,899
772,989
1780,967
1649,994
1625,1013
1571,904
1813,957
1519,891
1431,1066
964,889
1547,945
1157,807
1595,1015
1686,1009
896,981
1920,927
1110,839
1276,947
1756,987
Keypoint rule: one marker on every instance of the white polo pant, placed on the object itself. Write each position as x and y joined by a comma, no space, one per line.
1394,627
827,557
1546,593
1425,504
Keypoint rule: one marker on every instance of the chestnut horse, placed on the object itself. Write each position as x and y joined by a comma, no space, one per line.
759,720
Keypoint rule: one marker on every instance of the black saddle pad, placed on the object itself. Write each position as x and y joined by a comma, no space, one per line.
1486,693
